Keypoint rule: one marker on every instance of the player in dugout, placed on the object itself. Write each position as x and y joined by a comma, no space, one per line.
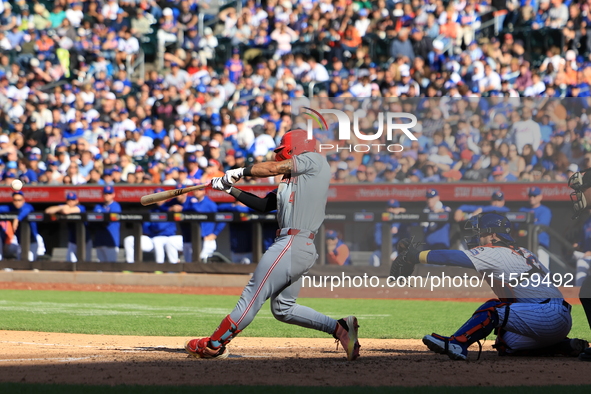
337,252
71,206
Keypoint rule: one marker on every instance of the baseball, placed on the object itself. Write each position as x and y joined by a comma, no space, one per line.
16,185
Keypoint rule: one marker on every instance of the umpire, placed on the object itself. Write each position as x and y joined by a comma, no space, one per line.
580,182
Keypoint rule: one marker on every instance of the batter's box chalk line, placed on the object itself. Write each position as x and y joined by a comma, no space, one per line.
153,349
102,347
57,359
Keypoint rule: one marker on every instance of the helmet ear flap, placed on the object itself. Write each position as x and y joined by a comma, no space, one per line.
282,154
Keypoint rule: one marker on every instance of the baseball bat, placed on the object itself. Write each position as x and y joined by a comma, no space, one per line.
168,194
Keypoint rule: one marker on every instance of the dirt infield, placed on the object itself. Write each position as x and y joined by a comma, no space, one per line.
103,359
35,357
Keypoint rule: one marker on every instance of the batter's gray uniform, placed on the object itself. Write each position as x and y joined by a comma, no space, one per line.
301,203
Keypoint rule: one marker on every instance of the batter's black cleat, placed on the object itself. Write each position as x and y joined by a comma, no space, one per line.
578,346
569,347
586,355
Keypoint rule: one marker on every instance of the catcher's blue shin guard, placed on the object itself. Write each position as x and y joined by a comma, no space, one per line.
480,325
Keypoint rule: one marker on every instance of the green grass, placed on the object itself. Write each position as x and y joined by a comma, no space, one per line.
16,388
195,315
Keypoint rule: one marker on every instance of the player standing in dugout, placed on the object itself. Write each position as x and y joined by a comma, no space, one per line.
580,182
300,201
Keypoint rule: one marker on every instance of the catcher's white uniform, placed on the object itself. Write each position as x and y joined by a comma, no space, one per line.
537,315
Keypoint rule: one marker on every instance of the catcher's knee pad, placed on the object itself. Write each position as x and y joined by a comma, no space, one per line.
225,332
501,345
482,323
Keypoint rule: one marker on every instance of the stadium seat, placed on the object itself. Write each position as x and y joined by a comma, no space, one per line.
223,52
149,44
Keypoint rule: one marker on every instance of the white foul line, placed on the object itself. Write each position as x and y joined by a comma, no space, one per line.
58,344
59,359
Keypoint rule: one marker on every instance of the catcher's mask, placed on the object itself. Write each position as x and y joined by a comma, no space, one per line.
293,143
485,224
579,182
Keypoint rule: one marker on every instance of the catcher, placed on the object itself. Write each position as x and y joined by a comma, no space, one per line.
528,320
580,182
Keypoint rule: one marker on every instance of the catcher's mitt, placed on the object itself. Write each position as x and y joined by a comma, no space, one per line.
402,266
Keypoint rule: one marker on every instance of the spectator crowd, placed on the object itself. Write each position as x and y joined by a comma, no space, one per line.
73,109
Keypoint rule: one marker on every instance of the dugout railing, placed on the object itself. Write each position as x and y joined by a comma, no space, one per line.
557,241
194,219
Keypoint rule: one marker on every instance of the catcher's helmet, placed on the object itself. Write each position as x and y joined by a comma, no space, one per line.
491,223
293,143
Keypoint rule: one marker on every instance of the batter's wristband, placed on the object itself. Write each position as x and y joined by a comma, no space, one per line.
423,256
416,257
235,192
247,171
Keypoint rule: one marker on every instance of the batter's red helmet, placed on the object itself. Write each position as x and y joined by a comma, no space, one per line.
293,143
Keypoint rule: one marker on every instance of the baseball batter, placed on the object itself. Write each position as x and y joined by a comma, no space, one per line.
300,201
530,317
580,182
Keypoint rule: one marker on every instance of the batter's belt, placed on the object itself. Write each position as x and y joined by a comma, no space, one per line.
292,231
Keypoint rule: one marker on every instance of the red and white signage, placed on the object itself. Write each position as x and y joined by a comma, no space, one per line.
460,192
